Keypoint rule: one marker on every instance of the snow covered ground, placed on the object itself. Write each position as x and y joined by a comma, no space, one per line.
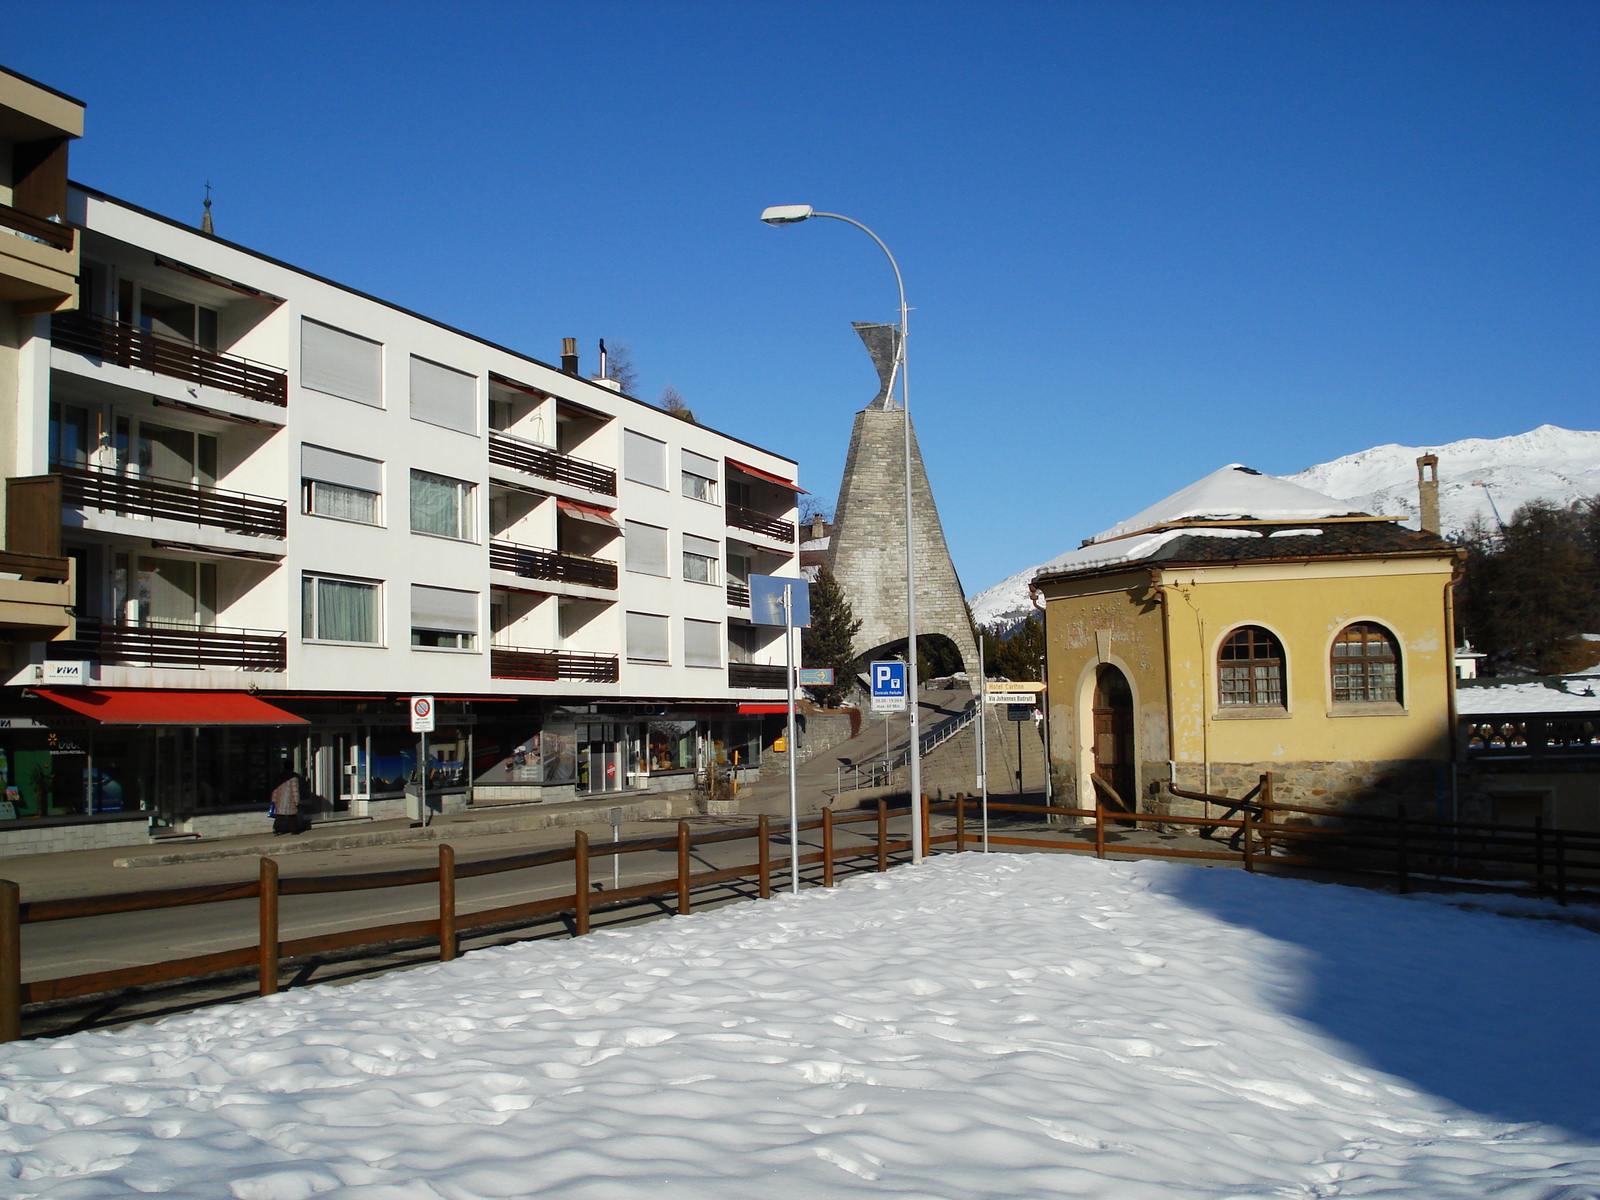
1002,1026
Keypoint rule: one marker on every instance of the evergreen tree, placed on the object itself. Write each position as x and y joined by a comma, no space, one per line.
829,640
1017,653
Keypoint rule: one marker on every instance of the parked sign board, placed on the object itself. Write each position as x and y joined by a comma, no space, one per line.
888,680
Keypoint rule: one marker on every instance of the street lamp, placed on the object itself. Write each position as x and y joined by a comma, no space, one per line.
792,214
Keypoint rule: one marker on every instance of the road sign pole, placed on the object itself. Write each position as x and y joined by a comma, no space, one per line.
983,740
794,746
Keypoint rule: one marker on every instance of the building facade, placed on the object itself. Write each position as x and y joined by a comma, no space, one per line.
1247,625
287,506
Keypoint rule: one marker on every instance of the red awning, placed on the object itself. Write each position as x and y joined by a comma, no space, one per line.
753,709
768,476
169,708
587,512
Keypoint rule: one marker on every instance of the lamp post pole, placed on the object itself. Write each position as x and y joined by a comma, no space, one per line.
789,214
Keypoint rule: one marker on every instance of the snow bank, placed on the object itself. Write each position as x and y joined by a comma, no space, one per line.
1002,1026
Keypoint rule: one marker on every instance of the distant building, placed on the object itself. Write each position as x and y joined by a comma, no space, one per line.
1243,625
1530,749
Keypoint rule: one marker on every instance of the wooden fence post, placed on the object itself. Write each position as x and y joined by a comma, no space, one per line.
1400,854
1538,852
683,868
267,908
927,827
1561,867
764,855
827,847
580,882
1266,813
447,901
1249,850
883,835
1099,828
10,961
961,822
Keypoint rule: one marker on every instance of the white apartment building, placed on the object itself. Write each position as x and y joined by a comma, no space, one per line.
288,506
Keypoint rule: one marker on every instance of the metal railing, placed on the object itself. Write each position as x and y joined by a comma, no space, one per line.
1530,737
143,644
52,233
128,345
169,499
533,563
531,459
517,662
740,517
738,594
879,773
756,675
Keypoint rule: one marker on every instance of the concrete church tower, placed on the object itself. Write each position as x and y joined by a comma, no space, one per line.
867,548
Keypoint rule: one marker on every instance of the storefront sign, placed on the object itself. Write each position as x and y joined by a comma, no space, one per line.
70,672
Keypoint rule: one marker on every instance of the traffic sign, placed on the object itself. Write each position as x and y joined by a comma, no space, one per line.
422,714
766,600
1019,712
816,676
888,680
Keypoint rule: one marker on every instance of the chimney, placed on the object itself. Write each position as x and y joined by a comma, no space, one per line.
1428,492
819,527
569,355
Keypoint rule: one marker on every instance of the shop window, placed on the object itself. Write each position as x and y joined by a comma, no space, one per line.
699,559
339,610
671,745
699,477
1250,669
1366,665
441,506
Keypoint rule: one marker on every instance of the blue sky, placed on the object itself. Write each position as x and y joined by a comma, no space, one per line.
1141,240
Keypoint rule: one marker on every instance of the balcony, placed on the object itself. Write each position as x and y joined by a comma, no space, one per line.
124,643
756,675
167,499
127,345
35,597
576,666
748,519
51,233
532,563
38,260
507,451
738,594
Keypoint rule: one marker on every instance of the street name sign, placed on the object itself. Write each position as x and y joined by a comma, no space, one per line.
816,676
1027,698
888,680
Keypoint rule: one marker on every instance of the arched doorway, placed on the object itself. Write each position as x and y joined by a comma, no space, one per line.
1113,735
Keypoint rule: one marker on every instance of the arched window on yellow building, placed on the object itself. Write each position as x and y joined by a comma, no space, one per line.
1366,665
1250,669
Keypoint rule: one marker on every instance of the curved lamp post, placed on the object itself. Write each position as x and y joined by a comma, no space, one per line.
791,214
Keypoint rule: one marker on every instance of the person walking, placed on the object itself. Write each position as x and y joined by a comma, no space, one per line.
287,796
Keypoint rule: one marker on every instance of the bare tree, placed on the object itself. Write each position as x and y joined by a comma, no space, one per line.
672,401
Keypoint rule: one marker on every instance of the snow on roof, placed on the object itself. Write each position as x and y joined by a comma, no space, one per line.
1235,492
1508,698
1132,549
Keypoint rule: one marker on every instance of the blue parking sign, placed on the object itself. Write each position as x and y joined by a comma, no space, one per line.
888,681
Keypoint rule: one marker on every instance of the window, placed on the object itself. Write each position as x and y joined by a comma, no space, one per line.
441,506
1366,665
70,444
443,617
646,548
338,610
340,363
699,559
343,486
443,396
644,459
699,477
647,638
1251,669
702,643
163,591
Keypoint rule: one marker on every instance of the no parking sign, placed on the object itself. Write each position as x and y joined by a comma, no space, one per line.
422,714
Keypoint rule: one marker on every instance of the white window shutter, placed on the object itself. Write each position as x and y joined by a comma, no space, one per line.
443,396
340,364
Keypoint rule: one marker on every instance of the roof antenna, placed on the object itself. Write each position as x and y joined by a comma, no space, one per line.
205,222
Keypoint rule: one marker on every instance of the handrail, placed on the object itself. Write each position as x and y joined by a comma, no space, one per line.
752,521
175,645
126,345
533,562
521,662
51,232
172,499
928,741
508,450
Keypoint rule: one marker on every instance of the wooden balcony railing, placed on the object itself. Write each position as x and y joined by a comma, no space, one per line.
1534,737
532,563
738,594
756,675
129,346
128,643
194,504
514,662
519,455
740,517
50,232
35,568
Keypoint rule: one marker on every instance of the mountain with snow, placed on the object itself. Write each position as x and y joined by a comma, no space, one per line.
1479,478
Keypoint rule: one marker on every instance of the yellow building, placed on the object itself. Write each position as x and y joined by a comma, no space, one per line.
1243,625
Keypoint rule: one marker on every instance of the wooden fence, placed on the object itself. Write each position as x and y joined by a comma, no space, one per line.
447,927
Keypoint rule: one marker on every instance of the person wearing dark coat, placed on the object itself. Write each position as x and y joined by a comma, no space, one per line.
288,793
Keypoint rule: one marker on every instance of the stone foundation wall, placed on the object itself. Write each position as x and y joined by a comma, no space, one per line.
1375,787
